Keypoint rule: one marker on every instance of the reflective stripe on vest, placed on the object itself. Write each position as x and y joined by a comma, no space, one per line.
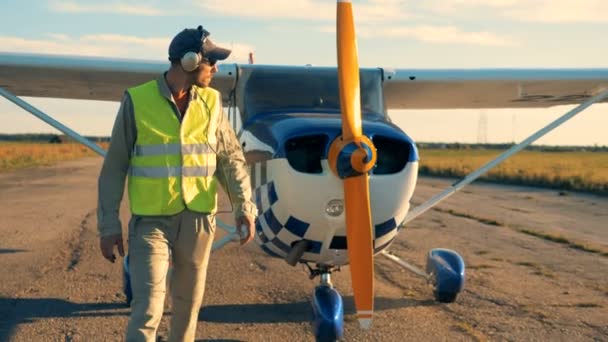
157,150
173,164
169,171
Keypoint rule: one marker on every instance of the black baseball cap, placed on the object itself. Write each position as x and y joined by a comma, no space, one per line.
196,40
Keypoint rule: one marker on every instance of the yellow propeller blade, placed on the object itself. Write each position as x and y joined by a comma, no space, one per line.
359,233
360,246
348,71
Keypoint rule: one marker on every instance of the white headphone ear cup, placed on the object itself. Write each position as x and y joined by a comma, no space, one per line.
190,61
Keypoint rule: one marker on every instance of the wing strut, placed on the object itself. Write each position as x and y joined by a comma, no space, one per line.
412,268
56,124
419,210
232,235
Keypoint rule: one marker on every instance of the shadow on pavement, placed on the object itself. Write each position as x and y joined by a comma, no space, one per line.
15,311
12,251
291,312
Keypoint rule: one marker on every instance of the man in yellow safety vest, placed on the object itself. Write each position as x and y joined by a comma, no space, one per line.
174,144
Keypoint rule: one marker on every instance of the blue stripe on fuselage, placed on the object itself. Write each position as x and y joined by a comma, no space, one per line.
275,129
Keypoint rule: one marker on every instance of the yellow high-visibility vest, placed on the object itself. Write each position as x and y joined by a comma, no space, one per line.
173,164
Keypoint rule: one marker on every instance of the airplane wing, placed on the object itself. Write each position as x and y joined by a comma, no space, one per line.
490,88
86,78
94,78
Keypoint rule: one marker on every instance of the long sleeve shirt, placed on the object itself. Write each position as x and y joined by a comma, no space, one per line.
232,172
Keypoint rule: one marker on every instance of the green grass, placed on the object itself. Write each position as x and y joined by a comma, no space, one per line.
14,155
577,170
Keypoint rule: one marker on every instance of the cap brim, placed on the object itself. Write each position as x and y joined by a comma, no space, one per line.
215,52
219,54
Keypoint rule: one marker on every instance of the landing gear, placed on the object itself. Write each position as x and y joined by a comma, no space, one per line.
327,307
444,272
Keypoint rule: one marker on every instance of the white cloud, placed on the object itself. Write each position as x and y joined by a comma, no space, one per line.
432,34
277,9
309,10
58,36
446,34
547,11
120,40
377,11
106,45
103,45
384,11
112,7
561,11
375,18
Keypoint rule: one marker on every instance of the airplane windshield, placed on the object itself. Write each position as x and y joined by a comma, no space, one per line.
307,89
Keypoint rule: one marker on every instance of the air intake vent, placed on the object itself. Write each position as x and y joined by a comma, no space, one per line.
392,155
304,154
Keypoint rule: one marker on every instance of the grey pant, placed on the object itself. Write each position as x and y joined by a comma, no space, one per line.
187,238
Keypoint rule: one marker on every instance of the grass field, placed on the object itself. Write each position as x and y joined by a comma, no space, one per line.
579,171
22,155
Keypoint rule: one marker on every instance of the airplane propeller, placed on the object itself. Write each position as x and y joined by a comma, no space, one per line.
351,157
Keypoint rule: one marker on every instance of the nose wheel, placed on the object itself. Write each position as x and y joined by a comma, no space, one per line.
327,307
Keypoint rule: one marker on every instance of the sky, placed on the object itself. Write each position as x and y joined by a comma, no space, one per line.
391,33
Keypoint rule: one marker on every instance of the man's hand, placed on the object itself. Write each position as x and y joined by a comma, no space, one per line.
107,243
245,226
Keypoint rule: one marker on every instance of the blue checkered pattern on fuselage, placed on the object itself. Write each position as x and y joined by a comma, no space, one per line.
276,238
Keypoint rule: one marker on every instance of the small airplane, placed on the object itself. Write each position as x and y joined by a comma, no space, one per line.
332,176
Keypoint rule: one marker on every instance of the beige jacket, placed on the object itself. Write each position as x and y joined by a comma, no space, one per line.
232,171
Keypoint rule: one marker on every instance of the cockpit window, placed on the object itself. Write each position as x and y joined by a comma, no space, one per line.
306,89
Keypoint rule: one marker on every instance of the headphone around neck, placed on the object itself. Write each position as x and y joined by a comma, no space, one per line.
191,59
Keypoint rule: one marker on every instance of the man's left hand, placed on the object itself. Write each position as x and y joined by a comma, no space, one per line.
245,226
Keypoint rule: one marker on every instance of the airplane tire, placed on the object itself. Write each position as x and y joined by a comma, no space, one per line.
447,271
328,311
445,297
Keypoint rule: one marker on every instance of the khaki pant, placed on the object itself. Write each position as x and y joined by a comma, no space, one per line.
187,238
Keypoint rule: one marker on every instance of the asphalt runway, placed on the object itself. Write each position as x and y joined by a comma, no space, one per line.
55,286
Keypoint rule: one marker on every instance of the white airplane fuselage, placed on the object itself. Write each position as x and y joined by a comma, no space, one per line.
287,119
300,198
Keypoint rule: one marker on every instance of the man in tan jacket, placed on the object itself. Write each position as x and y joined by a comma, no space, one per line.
174,144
